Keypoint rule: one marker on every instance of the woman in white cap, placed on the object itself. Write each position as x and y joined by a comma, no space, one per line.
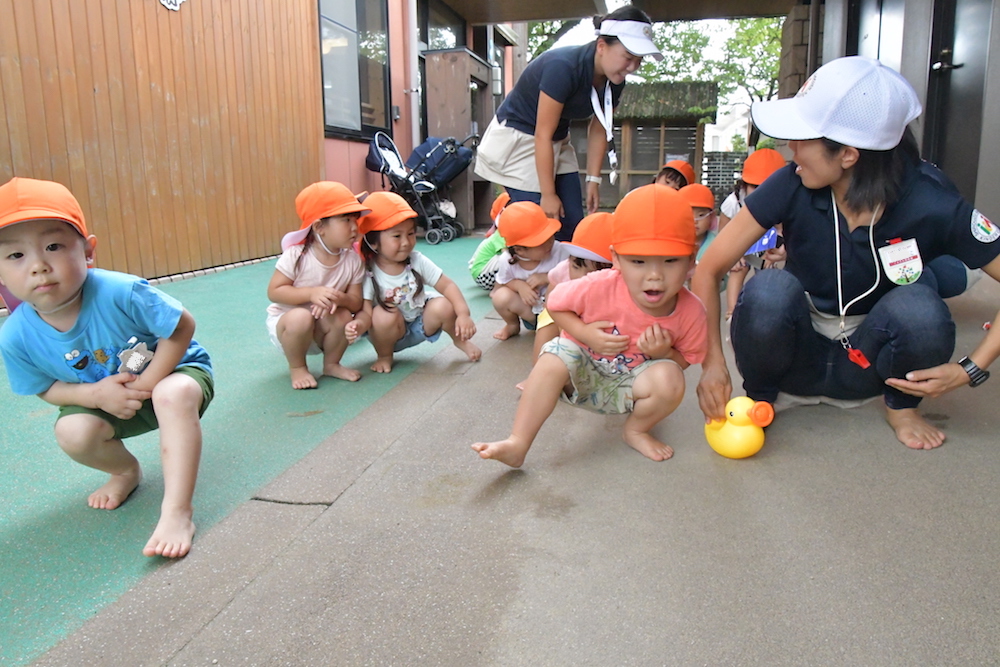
849,318
526,147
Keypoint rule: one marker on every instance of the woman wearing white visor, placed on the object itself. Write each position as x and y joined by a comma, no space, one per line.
855,314
526,147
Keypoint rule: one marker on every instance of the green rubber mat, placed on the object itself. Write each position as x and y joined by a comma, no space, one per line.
62,561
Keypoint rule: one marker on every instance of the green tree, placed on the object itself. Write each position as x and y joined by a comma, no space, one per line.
542,35
739,143
748,70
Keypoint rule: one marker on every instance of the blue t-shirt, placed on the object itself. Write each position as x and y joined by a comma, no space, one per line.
929,210
114,308
566,75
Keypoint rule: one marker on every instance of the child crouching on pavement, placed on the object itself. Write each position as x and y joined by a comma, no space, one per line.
84,340
628,332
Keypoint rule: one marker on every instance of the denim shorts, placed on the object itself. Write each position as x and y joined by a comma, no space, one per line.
415,335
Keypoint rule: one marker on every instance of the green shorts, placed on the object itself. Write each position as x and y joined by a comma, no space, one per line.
595,387
144,420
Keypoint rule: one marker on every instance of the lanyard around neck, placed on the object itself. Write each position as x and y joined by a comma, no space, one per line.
840,286
605,116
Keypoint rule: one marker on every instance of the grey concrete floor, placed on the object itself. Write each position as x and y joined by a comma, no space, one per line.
393,543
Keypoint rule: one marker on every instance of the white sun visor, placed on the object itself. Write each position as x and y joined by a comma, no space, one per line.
635,36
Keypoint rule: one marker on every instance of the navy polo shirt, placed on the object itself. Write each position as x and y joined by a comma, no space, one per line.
566,75
929,210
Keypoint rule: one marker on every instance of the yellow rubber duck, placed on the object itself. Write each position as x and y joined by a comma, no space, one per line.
741,433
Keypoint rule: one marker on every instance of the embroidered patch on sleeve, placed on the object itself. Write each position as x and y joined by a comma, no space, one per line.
984,230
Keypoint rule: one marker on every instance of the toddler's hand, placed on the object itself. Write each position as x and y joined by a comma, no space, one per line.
465,328
353,331
319,312
773,256
603,342
656,342
116,398
322,297
528,295
536,280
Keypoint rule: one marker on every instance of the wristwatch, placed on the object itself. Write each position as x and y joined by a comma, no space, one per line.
977,375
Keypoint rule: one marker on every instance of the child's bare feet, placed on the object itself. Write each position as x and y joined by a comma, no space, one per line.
510,451
647,445
508,331
116,490
302,378
172,536
341,372
471,350
382,365
913,430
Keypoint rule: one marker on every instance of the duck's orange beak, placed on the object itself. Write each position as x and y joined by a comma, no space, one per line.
761,414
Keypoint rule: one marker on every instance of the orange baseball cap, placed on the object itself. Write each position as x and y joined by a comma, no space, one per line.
321,200
761,164
653,220
592,238
685,169
698,196
524,223
498,205
23,199
387,210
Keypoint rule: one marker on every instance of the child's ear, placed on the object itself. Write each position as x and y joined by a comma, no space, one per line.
91,249
615,264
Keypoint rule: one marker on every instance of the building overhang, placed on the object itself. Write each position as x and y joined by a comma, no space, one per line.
478,12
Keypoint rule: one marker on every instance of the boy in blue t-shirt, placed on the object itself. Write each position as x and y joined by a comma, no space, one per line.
84,340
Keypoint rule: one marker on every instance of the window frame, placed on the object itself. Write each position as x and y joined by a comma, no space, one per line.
367,132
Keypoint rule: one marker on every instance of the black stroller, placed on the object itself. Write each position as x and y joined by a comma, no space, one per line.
431,167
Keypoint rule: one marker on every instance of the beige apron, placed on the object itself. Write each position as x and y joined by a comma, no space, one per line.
507,157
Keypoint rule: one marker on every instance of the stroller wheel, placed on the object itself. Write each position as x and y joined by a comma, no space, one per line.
447,233
433,236
459,228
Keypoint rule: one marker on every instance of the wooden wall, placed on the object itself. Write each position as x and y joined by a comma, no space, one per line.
184,134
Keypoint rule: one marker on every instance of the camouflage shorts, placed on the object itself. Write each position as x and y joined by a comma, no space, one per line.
595,388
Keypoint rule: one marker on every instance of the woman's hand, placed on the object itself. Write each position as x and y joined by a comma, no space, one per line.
552,206
931,382
714,390
593,197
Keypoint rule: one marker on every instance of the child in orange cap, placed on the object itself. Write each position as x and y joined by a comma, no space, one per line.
675,174
407,298
589,251
113,353
316,286
706,223
532,251
628,333
485,261
756,168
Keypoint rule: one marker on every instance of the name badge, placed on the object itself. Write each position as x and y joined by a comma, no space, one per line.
901,261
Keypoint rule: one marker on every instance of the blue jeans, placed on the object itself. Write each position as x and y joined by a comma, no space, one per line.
777,349
570,193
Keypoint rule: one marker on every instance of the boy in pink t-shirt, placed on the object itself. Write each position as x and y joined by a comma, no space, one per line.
628,332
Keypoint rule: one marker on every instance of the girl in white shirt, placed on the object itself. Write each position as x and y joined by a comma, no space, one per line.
407,298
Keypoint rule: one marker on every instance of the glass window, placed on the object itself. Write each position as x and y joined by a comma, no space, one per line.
354,52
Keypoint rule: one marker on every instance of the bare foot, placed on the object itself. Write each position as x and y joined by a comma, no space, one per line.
471,351
302,378
508,331
647,445
341,372
913,430
116,490
172,536
510,451
382,365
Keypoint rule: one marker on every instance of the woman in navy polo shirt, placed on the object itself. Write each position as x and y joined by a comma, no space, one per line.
849,318
526,147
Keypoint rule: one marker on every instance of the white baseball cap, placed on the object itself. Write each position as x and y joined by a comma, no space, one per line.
635,36
855,101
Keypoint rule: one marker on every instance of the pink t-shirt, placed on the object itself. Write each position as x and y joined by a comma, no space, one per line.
559,274
312,273
603,295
